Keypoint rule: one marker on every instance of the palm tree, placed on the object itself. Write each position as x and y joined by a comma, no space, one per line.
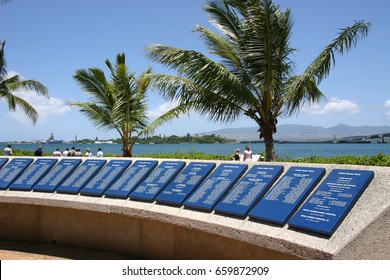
119,103
255,76
8,85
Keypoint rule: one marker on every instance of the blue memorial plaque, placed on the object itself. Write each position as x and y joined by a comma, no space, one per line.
249,190
183,185
326,208
215,186
108,174
33,174
80,176
3,161
57,175
157,180
12,170
282,200
131,178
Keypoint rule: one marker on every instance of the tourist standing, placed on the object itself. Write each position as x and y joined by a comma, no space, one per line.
247,154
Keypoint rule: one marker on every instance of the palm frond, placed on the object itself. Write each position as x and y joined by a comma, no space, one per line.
224,18
204,72
3,64
296,97
15,102
94,83
10,84
100,116
166,117
229,52
216,106
15,84
347,39
305,85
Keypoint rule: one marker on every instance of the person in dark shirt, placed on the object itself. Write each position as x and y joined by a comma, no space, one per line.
236,155
38,152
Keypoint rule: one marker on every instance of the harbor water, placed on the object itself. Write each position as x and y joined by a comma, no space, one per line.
291,150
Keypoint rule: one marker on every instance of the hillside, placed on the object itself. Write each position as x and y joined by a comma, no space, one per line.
292,132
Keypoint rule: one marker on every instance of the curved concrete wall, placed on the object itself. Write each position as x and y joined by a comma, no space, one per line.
155,231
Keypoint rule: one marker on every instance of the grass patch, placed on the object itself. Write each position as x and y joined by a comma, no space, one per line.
376,160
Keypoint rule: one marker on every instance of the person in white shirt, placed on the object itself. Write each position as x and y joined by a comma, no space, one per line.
8,150
88,153
99,153
65,153
56,153
247,154
78,153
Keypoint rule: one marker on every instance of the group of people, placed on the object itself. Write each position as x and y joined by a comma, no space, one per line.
246,157
73,152
76,152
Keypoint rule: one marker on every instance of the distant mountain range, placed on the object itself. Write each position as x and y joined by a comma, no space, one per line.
294,132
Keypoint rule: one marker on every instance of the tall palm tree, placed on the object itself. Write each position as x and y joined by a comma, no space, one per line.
255,76
8,85
119,103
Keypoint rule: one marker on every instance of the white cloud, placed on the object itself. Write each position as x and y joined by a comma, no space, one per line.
334,106
46,107
387,106
163,108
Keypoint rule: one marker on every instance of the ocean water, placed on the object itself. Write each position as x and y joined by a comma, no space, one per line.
292,150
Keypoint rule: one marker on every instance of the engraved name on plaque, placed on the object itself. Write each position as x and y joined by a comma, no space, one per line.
215,186
131,178
12,170
326,208
282,200
33,174
252,186
157,180
108,174
183,185
80,176
56,175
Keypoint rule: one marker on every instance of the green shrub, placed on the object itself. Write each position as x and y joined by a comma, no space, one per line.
376,160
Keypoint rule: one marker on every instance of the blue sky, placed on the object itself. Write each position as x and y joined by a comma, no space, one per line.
49,40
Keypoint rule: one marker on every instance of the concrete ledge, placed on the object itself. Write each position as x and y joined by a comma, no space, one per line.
154,231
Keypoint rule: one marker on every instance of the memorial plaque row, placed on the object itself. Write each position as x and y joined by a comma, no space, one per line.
228,189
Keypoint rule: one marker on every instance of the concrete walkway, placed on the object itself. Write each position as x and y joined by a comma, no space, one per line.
39,251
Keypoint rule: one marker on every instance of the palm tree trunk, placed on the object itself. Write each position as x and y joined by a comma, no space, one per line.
267,134
127,150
